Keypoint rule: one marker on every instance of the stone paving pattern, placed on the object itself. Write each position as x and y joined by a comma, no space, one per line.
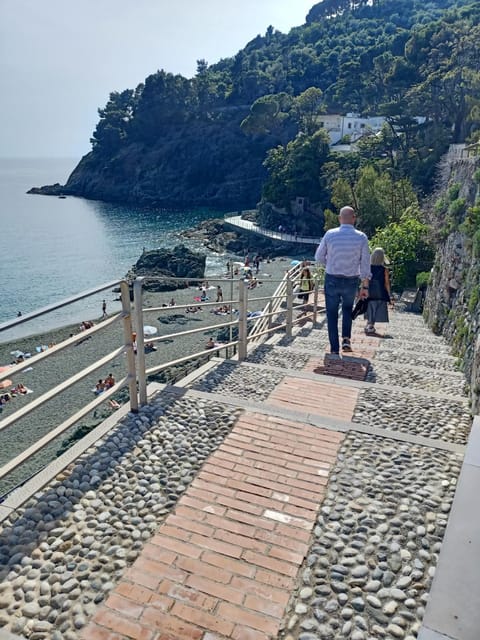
243,382
375,543
418,378
196,519
444,419
415,358
268,354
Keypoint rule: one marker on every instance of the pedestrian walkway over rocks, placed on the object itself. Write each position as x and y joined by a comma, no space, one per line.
290,497
283,236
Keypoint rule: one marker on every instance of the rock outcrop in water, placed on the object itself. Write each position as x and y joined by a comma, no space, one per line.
219,236
160,266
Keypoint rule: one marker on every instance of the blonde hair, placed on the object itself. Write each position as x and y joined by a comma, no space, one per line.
378,257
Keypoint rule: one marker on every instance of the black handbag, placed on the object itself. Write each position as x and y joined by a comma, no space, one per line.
360,308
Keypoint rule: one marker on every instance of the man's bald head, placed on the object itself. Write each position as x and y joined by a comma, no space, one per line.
347,215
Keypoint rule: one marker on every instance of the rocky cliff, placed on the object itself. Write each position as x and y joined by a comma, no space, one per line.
213,164
452,305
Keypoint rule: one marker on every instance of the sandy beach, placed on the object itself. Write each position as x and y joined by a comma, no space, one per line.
50,372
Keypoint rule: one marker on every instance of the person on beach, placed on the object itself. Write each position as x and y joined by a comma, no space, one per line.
379,293
210,344
219,294
345,254
100,386
104,309
109,381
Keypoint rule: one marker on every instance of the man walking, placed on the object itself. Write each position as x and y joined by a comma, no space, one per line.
344,252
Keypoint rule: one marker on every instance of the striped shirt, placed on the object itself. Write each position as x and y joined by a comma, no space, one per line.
344,252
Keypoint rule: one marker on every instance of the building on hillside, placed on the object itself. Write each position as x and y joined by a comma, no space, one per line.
351,125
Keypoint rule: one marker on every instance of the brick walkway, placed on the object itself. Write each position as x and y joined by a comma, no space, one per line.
224,563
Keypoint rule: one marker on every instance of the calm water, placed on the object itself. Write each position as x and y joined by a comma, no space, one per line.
52,248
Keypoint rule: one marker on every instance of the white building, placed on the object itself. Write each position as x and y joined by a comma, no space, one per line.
350,125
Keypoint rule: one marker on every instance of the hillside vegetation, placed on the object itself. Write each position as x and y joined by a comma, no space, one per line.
247,129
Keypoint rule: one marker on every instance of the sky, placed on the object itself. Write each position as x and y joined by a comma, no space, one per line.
60,59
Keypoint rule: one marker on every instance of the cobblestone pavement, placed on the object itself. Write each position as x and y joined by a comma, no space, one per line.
412,357
417,378
448,420
375,543
314,514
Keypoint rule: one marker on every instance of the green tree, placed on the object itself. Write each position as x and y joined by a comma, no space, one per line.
407,245
331,220
375,195
114,124
343,194
296,170
307,107
450,85
267,115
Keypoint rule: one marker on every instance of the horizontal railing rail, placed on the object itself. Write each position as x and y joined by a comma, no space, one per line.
198,354
60,429
9,324
50,353
52,350
250,328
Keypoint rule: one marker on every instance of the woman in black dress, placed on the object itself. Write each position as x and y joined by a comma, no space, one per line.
378,292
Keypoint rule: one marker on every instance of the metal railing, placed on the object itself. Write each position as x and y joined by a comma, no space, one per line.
129,378
238,221
251,329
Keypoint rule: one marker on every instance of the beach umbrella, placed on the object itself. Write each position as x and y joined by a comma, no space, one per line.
294,263
148,330
4,384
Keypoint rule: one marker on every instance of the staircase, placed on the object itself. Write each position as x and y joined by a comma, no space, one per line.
289,496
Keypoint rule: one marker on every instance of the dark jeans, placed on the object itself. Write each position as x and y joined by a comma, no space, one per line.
339,289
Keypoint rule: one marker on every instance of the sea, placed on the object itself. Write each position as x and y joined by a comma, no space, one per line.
52,248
